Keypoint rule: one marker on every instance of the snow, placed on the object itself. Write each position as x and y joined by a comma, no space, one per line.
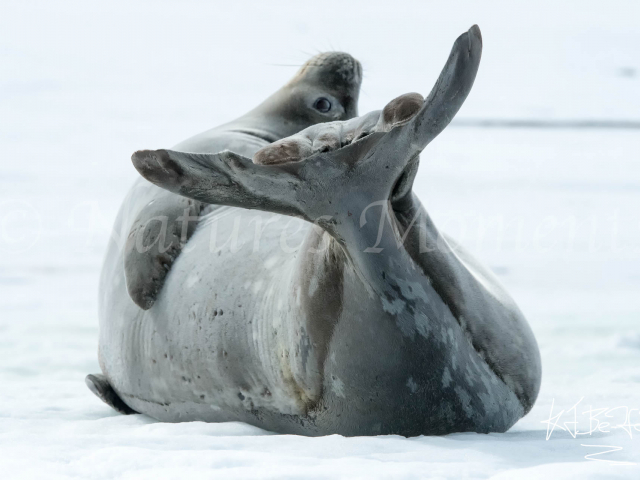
554,212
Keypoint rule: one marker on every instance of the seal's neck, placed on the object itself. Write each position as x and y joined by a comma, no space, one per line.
273,119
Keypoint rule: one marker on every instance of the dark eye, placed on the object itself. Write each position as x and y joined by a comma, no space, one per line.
322,105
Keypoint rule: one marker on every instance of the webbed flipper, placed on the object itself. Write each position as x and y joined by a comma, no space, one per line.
155,240
102,389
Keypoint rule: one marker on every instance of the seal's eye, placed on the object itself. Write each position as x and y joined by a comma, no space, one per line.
322,105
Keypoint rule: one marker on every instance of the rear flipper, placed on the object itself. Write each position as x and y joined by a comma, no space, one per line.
375,155
155,240
100,386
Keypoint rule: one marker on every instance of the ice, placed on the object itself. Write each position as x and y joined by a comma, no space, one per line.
554,212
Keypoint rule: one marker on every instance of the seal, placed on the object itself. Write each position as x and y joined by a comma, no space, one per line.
325,89
344,311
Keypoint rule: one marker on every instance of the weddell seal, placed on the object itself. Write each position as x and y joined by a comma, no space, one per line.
375,324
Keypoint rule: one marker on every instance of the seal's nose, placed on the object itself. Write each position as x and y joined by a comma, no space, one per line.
338,69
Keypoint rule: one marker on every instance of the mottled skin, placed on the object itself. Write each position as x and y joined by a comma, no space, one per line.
165,223
360,330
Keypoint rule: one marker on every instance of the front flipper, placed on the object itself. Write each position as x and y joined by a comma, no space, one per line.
155,240
102,389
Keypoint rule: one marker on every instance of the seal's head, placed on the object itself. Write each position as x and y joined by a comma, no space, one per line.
332,81
325,89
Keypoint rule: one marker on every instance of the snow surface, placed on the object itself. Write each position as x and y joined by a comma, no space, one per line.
84,84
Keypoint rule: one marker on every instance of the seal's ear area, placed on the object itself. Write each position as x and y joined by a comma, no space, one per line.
224,178
399,111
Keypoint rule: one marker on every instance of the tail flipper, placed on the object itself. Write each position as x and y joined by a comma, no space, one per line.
380,166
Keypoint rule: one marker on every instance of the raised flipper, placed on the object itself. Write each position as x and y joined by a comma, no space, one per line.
102,389
375,167
155,240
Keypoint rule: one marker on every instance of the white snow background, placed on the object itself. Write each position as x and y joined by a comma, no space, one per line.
85,84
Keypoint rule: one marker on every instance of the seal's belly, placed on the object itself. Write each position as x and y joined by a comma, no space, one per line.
217,337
